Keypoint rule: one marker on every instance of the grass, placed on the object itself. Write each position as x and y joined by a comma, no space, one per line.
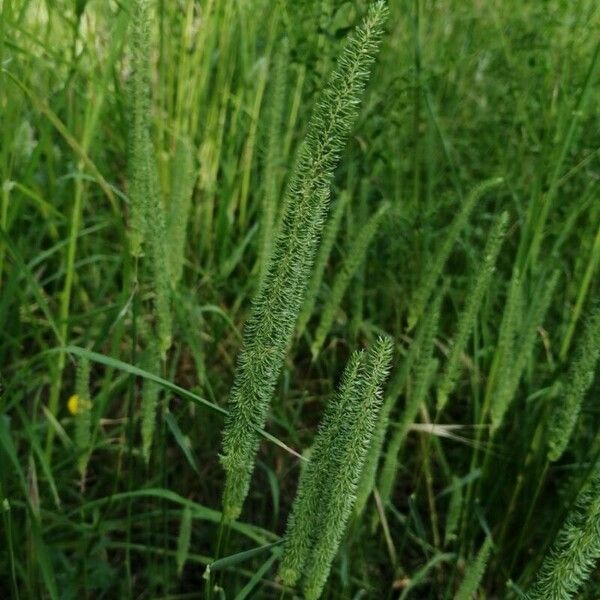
139,228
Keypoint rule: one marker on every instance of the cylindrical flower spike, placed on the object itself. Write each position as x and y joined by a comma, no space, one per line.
275,309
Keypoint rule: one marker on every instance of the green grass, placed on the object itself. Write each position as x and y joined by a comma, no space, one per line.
483,470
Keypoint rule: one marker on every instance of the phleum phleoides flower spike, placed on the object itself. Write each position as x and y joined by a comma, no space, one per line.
271,323
576,549
327,489
579,378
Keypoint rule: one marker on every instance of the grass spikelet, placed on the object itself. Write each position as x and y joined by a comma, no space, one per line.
325,247
183,539
474,573
427,285
140,101
350,453
499,380
579,378
356,255
454,508
83,415
182,188
467,318
274,312
148,216
306,511
150,394
162,285
576,549
424,370
524,347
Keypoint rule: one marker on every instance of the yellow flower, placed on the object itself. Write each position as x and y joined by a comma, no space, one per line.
76,404
73,404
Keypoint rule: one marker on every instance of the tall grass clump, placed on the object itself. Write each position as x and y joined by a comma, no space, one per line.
275,309
576,550
579,378
206,162
327,488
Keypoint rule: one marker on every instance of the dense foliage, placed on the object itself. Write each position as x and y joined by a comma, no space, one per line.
299,299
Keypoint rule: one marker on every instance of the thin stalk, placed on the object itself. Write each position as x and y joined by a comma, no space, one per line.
593,263
130,420
430,494
532,505
518,487
65,304
165,482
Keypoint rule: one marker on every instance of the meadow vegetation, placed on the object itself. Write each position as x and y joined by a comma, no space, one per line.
299,299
